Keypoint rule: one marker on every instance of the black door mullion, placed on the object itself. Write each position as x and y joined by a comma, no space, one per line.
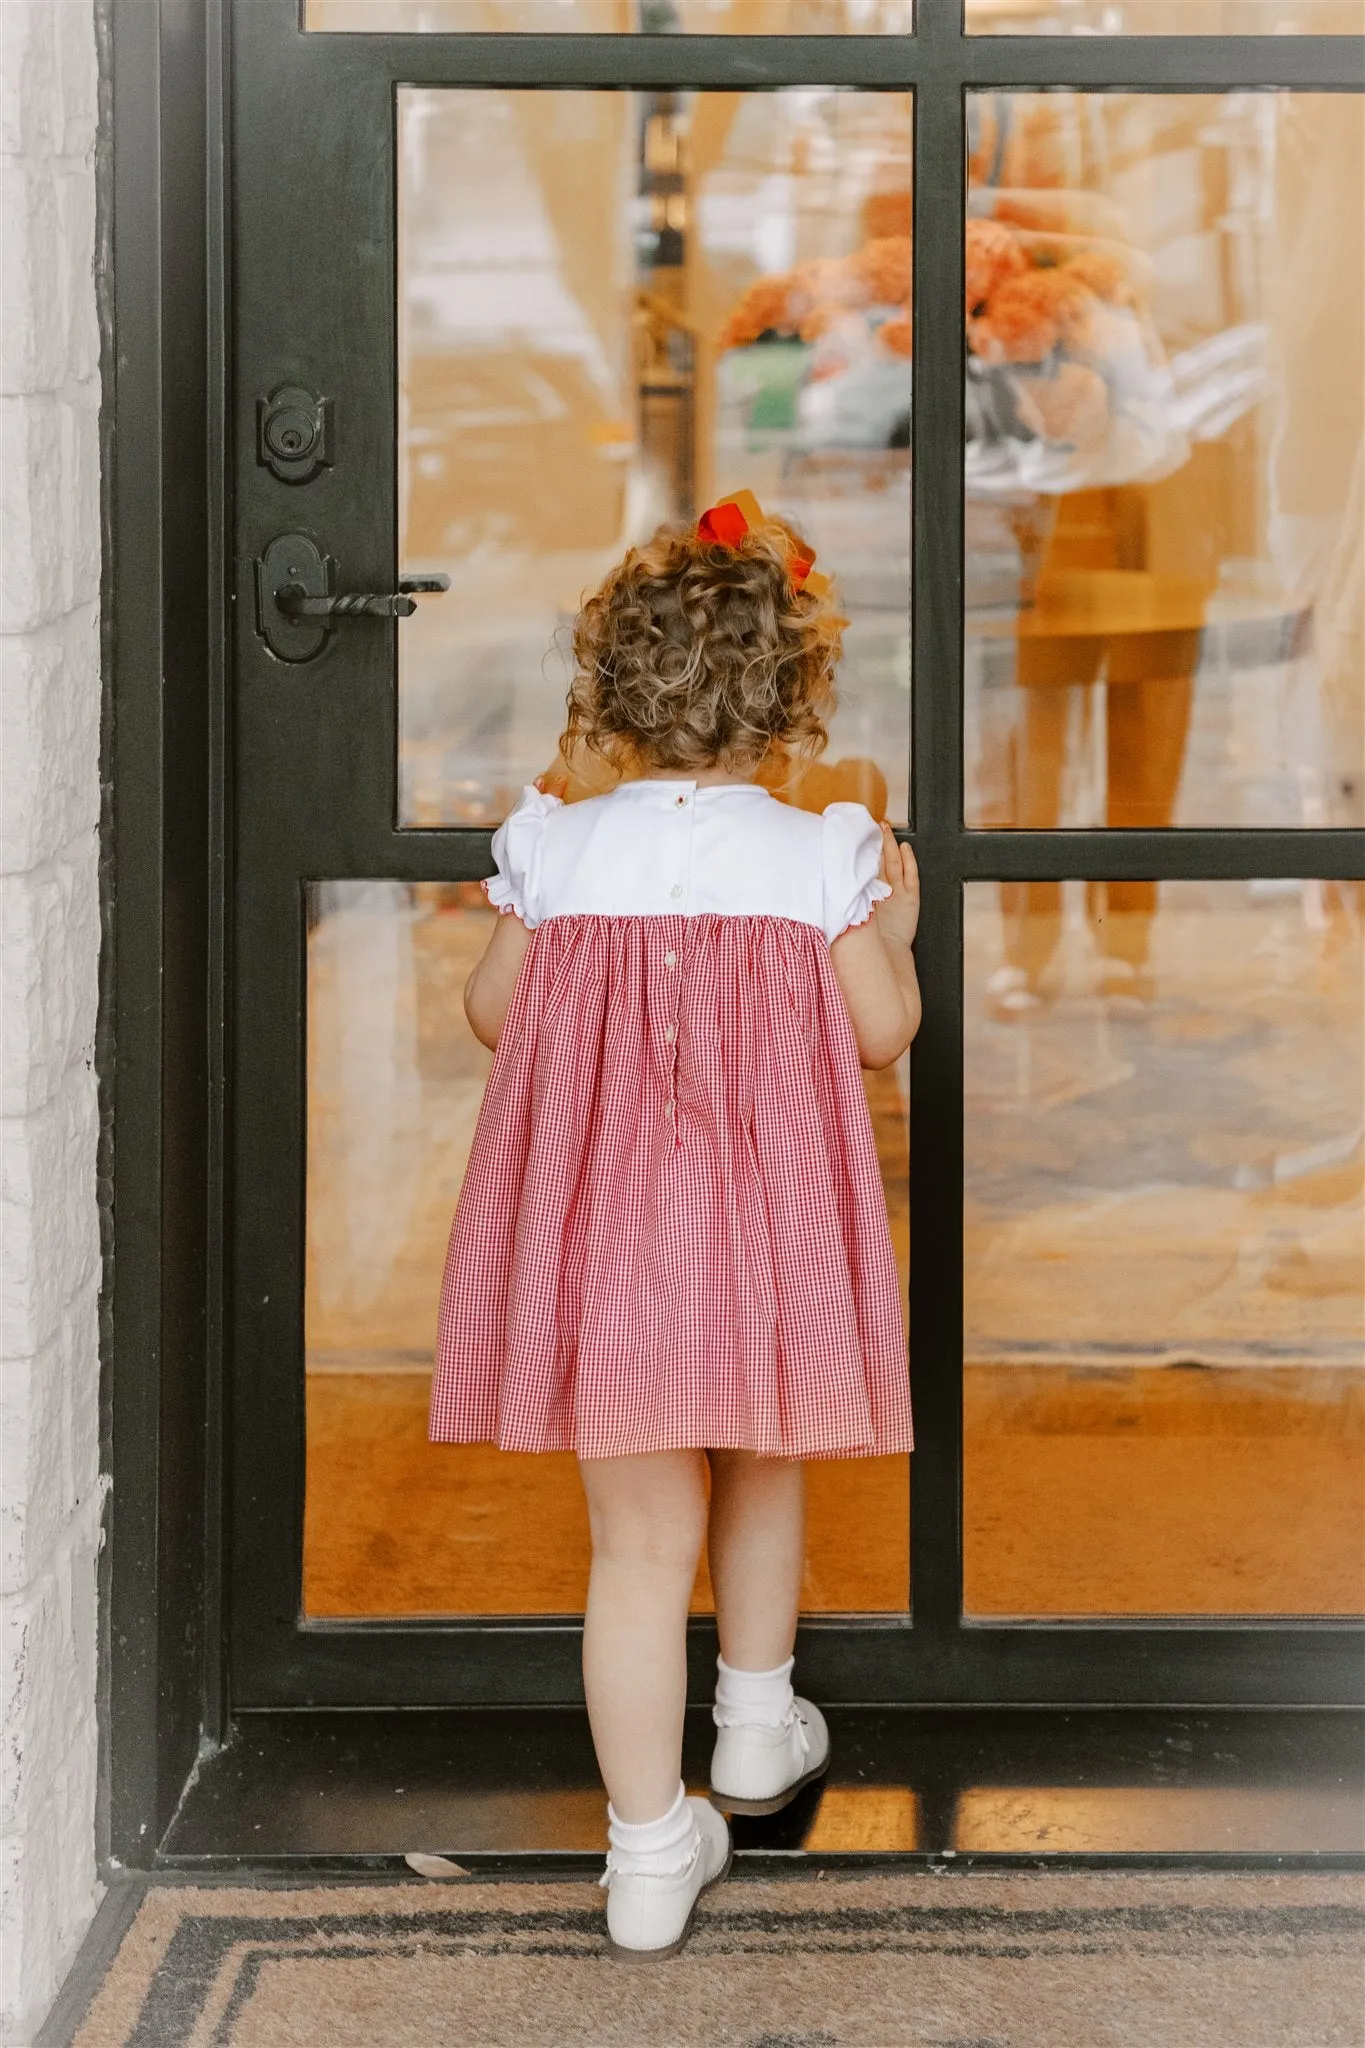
315,741
1306,63
266,1380
1110,855
641,62
936,591
527,1660
1164,63
936,1316
314,290
936,683
1116,854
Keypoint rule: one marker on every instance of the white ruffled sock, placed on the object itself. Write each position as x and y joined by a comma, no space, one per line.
653,1848
752,1699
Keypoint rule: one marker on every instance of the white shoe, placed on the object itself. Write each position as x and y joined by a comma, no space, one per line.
756,1768
649,1915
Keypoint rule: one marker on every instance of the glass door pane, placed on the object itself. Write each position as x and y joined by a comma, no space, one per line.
614,308
1165,1249
614,17
1166,363
394,1525
1165,17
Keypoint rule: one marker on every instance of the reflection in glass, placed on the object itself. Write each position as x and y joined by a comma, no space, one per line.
615,17
1156,1820
1164,17
614,308
1165,1251
852,1820
1166,360
393,1524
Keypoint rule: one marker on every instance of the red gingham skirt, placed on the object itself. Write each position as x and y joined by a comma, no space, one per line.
672,1230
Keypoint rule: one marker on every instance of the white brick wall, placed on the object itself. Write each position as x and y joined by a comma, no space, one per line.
49,944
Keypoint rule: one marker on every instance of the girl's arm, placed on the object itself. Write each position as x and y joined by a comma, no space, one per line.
488,991
875,967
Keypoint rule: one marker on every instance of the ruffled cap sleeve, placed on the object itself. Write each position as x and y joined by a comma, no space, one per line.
518,847
852,864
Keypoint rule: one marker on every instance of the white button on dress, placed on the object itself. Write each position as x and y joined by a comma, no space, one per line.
670,959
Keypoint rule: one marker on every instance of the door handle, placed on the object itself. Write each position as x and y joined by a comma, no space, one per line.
294,601
297,606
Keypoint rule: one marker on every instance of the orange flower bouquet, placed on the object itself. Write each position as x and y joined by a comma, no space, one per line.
1066,383
806,302
852,314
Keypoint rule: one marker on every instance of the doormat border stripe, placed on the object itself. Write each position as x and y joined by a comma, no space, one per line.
228,1932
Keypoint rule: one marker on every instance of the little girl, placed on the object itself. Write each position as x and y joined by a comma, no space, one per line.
671,1248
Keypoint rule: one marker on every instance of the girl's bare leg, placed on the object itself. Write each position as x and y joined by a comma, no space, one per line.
648,1520
756,1549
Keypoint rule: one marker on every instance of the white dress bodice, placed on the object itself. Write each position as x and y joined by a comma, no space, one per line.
671,848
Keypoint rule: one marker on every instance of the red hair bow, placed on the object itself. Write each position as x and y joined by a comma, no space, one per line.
733,517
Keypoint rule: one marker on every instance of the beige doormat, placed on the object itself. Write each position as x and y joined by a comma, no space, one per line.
839,1960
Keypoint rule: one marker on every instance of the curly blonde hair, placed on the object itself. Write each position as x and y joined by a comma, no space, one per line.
695,654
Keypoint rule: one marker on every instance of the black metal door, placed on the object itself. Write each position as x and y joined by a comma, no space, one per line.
316,800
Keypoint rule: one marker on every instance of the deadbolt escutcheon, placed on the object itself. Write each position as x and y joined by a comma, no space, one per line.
294,433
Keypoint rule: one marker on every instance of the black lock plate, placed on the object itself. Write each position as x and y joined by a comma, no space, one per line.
294,433
293,562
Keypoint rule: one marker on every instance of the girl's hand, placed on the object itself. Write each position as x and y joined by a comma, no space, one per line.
898,913
875,967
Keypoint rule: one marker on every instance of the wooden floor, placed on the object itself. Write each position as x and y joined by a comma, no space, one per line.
1123,1492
